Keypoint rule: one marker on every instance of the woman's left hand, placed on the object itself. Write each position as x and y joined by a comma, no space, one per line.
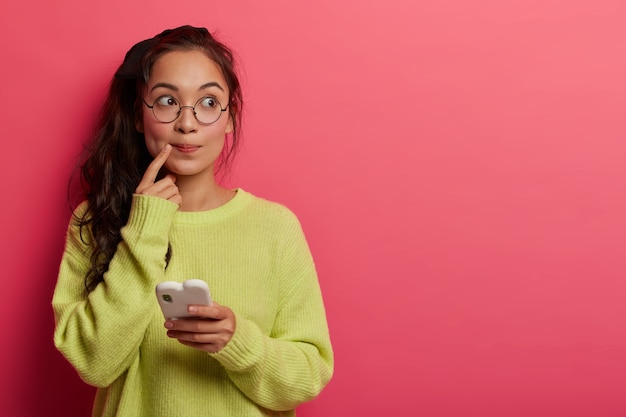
210,330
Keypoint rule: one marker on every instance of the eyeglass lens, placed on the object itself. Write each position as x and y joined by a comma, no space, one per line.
207,110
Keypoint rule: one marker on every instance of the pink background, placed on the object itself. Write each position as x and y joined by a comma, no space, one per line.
458,166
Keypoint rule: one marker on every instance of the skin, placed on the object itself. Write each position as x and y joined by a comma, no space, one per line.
189,179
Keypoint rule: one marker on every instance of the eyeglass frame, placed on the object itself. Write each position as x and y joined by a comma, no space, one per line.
193,109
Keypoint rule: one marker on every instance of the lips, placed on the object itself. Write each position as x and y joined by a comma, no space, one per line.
186,148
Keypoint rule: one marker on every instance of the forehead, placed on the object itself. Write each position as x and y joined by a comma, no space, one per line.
185,70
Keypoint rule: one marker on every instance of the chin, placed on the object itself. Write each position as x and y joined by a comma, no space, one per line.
187,171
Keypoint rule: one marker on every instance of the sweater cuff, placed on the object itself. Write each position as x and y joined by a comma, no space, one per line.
245,349
150,216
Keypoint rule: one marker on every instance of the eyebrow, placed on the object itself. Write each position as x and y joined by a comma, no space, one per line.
174,88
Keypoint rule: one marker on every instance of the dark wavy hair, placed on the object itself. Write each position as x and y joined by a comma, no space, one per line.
116,158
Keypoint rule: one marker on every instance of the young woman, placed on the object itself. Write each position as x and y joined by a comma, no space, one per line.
155,212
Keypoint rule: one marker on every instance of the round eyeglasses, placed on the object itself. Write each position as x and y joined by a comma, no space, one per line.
166,109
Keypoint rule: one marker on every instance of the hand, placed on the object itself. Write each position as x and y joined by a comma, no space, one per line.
166,187
210,330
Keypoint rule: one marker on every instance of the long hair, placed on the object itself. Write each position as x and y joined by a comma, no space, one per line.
116,158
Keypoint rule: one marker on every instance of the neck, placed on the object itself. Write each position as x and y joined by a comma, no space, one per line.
200,194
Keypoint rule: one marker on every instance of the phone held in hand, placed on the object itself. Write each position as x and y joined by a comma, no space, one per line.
174,297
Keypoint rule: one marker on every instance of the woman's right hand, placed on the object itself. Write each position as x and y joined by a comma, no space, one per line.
164,188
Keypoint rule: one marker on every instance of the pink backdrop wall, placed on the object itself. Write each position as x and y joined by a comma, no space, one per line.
458,166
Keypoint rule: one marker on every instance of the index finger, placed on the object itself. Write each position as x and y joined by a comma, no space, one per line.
155,166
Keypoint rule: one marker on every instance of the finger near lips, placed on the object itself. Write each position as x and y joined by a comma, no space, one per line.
150,176
155,166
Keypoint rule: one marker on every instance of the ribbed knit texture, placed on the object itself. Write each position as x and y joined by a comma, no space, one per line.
254,257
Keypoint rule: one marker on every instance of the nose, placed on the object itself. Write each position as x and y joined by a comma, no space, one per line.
186,121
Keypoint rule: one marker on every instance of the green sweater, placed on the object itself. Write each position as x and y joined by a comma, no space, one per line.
254,257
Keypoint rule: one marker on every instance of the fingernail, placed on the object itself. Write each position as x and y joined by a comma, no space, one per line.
167,147
169,324
192,309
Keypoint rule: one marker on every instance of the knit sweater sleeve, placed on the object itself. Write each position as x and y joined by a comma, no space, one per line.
100,332
294,363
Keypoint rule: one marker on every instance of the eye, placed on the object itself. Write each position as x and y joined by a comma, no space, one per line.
209,102
166,101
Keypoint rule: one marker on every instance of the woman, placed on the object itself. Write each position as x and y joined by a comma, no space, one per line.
154,211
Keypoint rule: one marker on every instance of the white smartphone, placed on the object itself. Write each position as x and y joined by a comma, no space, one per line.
174,297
